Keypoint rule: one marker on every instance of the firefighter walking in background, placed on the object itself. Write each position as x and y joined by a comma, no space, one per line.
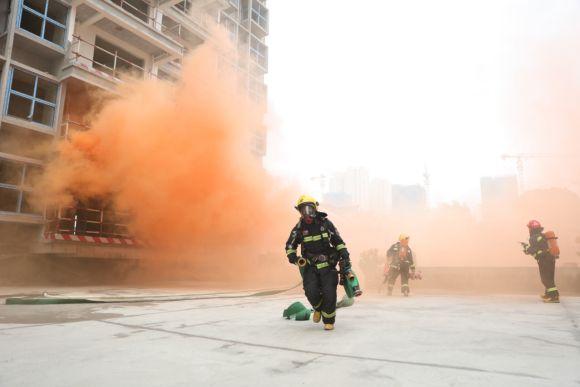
400,261
544,248
321,248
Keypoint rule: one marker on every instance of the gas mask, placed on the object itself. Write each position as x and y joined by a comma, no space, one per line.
308,212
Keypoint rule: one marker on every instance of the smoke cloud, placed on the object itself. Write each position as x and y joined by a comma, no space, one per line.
178,158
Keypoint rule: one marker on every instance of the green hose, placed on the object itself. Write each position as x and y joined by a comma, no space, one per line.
63,300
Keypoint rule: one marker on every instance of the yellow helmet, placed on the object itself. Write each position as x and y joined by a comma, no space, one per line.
403,237
304,199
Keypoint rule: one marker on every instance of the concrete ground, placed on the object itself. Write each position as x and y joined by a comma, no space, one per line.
241,340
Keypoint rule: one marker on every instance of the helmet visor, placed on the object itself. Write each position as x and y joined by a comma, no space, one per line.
307,210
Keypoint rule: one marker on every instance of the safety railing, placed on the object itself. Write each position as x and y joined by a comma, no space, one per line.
150,18
86,221
199,18
83,53
68,126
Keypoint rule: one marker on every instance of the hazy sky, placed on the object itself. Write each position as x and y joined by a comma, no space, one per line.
396,85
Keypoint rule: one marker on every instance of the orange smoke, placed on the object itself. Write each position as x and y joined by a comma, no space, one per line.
178,158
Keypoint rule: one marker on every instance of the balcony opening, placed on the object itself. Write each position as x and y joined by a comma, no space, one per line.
137,8
88,218
171,27
260,14
114,60
184,6
231,27
259,53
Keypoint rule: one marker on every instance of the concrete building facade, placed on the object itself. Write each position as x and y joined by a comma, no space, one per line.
54,52
353,182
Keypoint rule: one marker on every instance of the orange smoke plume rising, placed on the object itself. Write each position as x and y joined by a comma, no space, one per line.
178,159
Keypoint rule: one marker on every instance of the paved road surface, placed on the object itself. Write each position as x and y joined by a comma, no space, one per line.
243,341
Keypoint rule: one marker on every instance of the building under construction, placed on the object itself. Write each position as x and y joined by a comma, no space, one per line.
54,53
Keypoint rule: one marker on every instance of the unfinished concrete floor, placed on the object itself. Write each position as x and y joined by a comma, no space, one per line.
421,340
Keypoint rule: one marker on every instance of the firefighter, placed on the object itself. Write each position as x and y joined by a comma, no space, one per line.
400,261
321,248
538,248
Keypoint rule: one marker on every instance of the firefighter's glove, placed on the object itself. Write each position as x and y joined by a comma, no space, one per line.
344,263
525,247
292,258
341,279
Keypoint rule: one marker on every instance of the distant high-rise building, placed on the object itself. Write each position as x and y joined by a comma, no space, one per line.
409,197
380,197
355,183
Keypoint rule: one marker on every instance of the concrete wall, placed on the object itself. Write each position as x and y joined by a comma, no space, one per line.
509,280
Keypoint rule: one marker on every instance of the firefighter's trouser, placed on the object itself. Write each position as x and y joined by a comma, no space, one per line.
320,289
547,266
394,271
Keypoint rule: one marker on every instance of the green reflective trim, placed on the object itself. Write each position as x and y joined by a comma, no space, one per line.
551,289
539,238
321,265
405,286
314,238
340,247
538,252
318,305
290,251
328,315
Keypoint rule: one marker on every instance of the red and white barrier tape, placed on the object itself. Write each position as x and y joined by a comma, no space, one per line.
91,239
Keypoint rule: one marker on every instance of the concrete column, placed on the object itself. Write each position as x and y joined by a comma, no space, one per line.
59,110
70,28
8,52
157,16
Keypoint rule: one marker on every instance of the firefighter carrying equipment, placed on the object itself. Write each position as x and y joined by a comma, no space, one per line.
322,247
399,253
401,262
542,244
316,238
539,248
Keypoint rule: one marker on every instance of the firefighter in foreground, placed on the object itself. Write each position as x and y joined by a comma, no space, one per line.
400,261
321,248
544,249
